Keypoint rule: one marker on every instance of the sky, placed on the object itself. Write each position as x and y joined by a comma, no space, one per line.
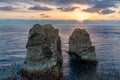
60,9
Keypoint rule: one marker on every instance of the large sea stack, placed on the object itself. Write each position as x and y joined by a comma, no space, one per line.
44,58
80,46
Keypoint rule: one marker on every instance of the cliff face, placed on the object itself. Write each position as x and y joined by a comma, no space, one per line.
81,47
44,58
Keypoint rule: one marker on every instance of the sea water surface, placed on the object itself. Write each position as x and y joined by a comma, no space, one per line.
106,38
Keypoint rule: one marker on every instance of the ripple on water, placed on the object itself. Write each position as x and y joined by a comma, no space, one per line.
105,38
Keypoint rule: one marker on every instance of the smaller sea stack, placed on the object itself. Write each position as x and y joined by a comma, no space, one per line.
80,47
44,58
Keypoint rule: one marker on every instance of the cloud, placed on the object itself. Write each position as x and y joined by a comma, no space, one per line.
89,2
44,16
104,5
68,8
92,10
107,11
112,16
6,0
64,2
10,1
7,8
32,16
95,5
99,10
42,8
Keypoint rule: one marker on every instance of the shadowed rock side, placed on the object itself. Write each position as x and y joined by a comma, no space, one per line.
44,58
80,47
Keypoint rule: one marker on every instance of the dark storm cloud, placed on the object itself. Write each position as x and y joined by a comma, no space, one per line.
7,8
107,11
42,8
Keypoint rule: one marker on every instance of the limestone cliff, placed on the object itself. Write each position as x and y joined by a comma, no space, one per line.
44,58
80,46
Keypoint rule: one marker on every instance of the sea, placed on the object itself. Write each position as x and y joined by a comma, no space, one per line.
105,38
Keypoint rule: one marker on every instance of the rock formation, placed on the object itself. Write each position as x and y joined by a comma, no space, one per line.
44,58
80,46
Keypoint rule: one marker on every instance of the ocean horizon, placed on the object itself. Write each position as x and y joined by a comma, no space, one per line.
105,38
26,22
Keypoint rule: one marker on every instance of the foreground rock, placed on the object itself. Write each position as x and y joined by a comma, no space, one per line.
81,48
44,58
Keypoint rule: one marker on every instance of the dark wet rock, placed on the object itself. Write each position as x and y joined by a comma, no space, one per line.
44,58
81,48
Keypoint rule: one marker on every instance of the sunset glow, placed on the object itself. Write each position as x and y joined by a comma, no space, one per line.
48,11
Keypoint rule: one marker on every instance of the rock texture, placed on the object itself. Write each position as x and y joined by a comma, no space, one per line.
80,46
44,58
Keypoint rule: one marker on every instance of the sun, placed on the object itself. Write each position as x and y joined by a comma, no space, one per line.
81,16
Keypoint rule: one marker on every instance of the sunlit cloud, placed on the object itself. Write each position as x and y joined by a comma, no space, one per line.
60,9
67,8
